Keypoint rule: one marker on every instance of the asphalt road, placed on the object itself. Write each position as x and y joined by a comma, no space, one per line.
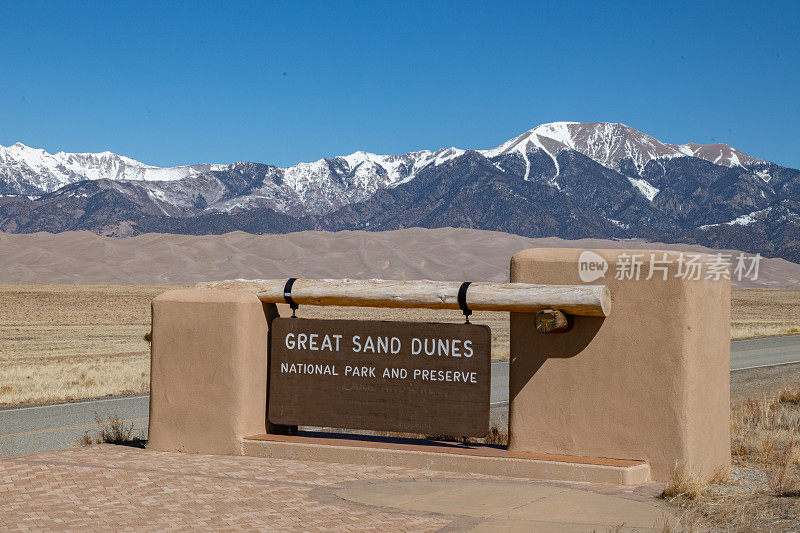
768,351
53,427
41,428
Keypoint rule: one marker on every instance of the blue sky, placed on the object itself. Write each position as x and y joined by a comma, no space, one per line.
289,82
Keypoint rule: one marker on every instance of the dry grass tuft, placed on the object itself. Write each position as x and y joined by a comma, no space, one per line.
684,483
763,493
448,438
781,466
765,430
85,440
788,396
114,430
496,436
767,434
720,476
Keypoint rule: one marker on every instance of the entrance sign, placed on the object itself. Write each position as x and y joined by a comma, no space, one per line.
379,375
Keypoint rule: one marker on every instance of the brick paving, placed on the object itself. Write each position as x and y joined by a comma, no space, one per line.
116,488
125,489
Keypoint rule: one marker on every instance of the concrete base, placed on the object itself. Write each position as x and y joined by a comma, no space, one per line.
445,457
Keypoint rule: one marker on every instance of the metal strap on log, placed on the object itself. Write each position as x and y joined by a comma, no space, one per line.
583,300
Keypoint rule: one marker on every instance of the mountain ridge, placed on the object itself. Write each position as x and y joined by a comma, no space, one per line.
606,143
565,179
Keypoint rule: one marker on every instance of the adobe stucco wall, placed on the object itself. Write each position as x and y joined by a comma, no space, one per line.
649,382
208,373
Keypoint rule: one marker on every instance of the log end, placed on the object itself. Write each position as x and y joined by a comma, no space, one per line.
605,301
552,321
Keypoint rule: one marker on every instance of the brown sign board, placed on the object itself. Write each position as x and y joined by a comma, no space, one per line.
378,375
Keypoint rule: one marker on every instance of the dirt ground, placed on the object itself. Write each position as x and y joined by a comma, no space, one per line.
759,383
63,342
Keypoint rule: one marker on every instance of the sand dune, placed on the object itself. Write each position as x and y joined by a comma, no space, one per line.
442,254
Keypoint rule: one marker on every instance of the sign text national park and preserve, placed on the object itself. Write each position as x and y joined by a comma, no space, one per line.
392,376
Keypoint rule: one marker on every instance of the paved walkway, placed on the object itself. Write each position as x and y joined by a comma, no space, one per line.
117,488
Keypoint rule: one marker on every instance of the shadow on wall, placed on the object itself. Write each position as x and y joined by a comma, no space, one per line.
559,345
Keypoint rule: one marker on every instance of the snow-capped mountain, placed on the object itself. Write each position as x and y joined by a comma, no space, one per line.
564,179
314,187
33,171
615,146
610,143
327,184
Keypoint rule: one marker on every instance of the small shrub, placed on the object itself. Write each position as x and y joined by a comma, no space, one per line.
86,440
684,482
112,431
496,436
115,431
148,337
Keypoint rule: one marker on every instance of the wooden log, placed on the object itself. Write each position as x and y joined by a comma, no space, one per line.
552,321
584,300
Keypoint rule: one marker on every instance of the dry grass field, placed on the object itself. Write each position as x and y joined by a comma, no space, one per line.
764,312
63,342
762,490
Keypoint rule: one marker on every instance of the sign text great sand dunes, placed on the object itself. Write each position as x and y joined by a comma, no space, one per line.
392,376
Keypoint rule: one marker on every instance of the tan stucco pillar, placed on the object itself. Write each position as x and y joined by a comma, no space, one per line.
208,373
649,382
